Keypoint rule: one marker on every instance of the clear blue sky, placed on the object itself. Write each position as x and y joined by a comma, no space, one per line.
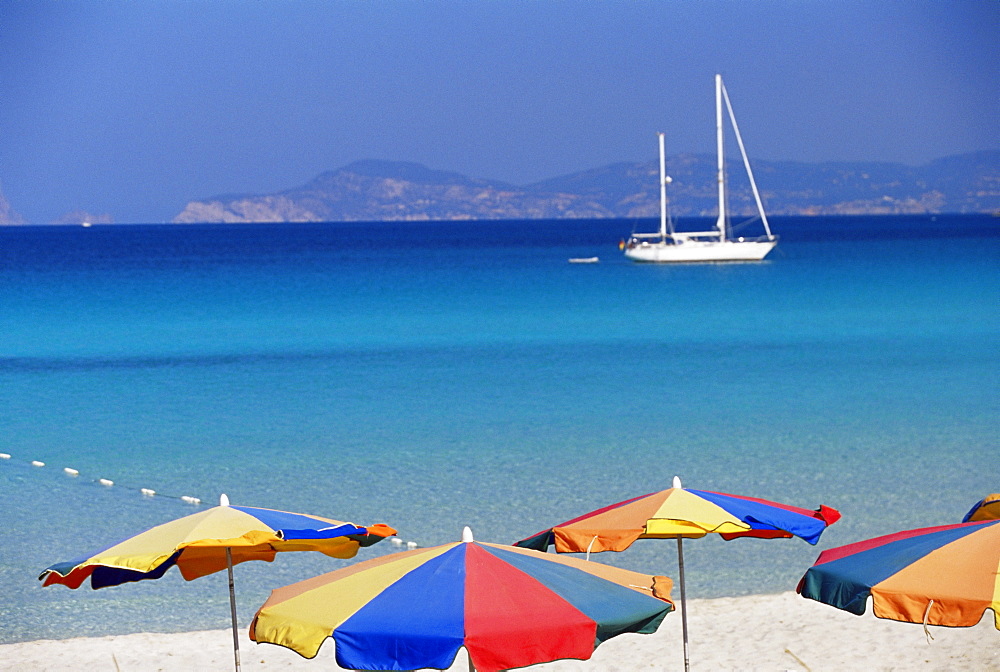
134,108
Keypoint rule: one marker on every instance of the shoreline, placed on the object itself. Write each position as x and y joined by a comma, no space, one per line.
756,632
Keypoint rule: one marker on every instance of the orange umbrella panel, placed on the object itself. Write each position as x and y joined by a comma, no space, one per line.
682,513
947,575
509,608
197,545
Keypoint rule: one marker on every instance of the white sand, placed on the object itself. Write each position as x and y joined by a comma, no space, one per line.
766,632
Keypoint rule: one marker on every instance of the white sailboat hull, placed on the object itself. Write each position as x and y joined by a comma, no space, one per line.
692,251
717,244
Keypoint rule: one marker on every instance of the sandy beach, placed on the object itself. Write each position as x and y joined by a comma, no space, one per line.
764,632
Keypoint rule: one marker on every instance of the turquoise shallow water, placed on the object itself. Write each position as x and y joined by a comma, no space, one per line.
449,374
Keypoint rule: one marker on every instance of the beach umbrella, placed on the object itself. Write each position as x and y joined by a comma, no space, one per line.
509,607
988,508
945,575
679,513
210,541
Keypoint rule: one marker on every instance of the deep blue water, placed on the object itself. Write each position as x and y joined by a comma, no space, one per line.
436,375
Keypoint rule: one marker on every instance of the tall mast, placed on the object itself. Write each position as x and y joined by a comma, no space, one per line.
721,223
746,164
663,191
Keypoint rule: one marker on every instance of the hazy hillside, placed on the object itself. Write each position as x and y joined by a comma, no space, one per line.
7,214
388,190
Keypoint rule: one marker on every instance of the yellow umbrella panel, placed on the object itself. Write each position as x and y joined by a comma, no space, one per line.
210,541
508,607
679,513
197,544
988,508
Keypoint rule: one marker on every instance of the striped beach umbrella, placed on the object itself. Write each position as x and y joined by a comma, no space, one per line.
680,513
946,575
509,608
210,541
988,508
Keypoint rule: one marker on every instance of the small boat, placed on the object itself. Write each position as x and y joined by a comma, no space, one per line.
718,244
584,260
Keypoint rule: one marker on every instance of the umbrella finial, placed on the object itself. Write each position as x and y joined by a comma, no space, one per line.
223,500
677,483
467,534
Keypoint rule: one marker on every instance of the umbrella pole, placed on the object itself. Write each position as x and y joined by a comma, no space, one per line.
684,611
232,607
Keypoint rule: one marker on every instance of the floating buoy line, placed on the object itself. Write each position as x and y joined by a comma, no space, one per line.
150,492
108,483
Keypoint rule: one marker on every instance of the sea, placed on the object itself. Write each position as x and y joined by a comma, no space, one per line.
436,375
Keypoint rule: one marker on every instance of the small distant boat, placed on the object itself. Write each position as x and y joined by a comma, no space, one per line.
584,260
670,246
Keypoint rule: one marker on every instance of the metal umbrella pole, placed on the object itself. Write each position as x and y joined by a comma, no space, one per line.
684,611
232,608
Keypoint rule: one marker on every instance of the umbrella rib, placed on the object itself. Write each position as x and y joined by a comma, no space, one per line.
927,633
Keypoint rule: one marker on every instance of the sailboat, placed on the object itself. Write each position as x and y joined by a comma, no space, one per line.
717,244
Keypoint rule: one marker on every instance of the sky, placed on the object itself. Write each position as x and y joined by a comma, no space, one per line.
133,108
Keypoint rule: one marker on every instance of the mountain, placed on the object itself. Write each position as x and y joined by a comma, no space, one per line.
7,214
390,190
962,183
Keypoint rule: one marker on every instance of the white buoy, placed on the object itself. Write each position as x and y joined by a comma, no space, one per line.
395,541
36,463
4,456
190,500
223,500
467,534
677,483
106,481
411,544
71,471
147,492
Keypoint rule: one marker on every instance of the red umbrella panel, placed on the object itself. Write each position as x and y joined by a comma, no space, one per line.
681,513
199,544
210,541
508,607
946,575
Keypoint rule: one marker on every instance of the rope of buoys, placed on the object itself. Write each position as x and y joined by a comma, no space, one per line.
396,541
149,492
108,483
